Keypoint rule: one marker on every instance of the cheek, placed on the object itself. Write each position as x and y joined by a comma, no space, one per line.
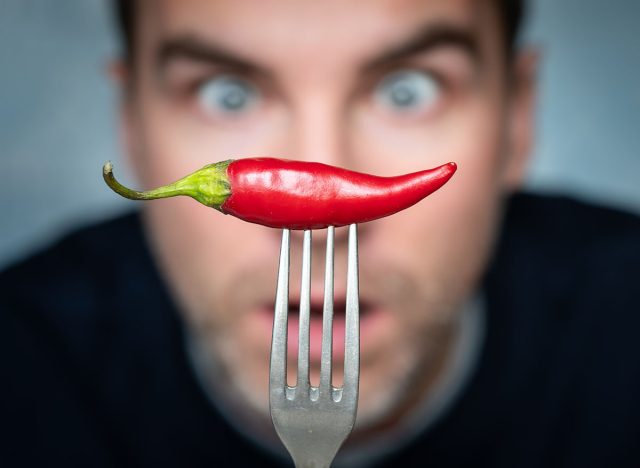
445,240
203,253
206,256
193,244
442,250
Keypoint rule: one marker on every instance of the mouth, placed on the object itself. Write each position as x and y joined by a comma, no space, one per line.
370,321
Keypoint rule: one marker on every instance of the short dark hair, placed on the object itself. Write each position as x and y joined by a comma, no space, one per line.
511,12
124,13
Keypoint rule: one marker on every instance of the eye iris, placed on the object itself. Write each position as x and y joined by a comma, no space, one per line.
226,95
408,90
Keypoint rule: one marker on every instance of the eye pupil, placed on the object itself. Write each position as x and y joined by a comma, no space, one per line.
402,96
235,98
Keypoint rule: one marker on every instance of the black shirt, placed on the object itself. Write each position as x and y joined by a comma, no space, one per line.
93,370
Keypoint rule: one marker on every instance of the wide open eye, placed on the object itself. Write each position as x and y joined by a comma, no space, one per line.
227,95
407,91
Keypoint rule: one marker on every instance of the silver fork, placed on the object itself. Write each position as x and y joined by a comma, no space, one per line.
313,422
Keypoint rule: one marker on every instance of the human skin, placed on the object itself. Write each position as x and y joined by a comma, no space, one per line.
315,86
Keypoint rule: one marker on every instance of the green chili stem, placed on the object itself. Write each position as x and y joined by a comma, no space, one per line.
209,186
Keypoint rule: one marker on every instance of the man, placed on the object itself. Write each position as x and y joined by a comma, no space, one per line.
497,329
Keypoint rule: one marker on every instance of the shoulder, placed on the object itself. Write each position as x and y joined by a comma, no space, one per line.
81,290
565,219
89,341
564,282
571,243
80,261
565,274
563,300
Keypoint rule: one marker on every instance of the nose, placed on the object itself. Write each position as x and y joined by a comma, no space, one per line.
320,131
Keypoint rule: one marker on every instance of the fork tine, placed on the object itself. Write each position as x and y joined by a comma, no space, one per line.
303,334
278,365
327,317
352,319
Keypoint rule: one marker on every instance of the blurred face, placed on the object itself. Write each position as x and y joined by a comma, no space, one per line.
383,87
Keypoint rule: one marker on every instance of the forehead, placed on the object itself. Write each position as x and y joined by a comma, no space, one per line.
283,28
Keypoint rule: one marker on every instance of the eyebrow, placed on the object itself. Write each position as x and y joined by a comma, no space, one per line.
196,49
430,38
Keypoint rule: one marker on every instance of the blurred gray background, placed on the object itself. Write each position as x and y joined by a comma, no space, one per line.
57,111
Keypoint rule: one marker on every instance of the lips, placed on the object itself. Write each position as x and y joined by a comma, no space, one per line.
315,331
370,320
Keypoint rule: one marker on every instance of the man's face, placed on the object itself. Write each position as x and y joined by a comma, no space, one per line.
384,87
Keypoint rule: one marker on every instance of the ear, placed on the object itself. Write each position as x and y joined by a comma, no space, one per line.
521,117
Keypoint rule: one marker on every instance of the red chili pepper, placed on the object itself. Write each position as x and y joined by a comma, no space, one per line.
294,194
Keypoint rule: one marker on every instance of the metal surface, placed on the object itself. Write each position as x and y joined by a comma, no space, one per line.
313,422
